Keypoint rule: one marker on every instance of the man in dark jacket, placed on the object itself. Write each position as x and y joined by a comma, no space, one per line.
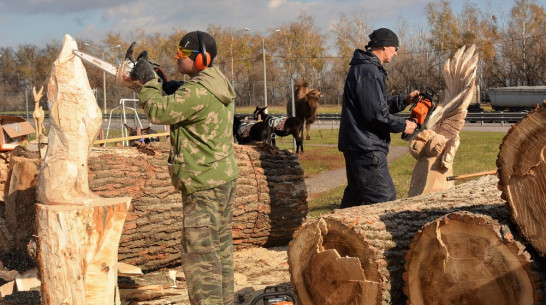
367,120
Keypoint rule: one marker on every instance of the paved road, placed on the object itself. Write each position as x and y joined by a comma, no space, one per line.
493,127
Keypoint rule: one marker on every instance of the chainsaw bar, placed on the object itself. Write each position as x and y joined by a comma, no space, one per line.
105,66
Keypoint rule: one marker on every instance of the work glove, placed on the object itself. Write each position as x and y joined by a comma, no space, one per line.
170,87
143,70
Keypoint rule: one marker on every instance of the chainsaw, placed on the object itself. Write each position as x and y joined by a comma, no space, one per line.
123,71
276,295
421,111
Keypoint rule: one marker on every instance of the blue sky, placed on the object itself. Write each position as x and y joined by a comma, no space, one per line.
43,21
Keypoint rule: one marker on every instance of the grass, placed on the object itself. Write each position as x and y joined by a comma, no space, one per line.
477,152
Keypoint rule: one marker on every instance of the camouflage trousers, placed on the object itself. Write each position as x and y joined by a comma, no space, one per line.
207,245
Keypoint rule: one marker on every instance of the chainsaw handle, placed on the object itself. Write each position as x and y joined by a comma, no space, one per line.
129,53
275,294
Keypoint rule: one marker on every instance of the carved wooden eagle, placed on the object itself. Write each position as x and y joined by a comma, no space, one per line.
435,146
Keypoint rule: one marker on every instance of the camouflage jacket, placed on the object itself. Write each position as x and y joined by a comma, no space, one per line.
200,114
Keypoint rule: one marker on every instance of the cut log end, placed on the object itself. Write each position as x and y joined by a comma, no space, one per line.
329,264
463,258
521,167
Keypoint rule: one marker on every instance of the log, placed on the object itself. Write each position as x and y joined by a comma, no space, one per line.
521,165
78,264
270,202
468,258
379,236
151,234
20,201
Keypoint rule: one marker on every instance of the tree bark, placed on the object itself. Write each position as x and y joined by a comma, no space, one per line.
521,167
378,236
78,251
270,202
468,258
20,201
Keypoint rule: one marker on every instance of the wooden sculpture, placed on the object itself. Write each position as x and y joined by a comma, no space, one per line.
78,231
38,115
435,147
75,120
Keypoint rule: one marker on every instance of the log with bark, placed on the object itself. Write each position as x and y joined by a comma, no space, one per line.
356,255
521,167
151,234
270,203
468,258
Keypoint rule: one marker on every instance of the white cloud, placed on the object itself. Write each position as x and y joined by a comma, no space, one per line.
275,3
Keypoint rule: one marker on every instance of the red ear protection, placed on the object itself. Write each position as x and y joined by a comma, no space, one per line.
202,61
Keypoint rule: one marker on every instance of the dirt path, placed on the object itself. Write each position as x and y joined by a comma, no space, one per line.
331,179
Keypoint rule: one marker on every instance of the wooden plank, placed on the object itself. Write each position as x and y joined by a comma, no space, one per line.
6,289
27,280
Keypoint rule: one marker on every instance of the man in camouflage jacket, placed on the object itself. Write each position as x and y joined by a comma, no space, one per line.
201,163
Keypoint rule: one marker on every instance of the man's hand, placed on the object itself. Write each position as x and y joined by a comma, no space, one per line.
413,97
143,71
410,127
171,86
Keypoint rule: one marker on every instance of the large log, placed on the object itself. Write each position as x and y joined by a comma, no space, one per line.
378,236
468,258
270,203
151,234
521,166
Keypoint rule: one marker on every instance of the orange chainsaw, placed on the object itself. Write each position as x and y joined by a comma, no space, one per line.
421,111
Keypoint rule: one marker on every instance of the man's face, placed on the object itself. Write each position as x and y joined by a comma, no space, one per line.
186,66
390,53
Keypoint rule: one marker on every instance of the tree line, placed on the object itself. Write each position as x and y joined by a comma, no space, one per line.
510,42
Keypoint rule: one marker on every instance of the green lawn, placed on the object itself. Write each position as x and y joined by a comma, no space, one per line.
477,152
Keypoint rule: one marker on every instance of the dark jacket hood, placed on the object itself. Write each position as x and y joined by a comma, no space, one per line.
366,57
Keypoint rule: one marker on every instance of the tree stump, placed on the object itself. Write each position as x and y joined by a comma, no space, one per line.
467,258
378,236
78,251
521,167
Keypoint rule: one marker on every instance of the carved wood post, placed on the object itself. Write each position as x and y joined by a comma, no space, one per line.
78,231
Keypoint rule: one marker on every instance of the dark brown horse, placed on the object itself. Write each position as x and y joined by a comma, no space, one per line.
281,126
306,101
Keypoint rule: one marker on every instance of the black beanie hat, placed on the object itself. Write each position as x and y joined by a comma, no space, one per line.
190,41
382,37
